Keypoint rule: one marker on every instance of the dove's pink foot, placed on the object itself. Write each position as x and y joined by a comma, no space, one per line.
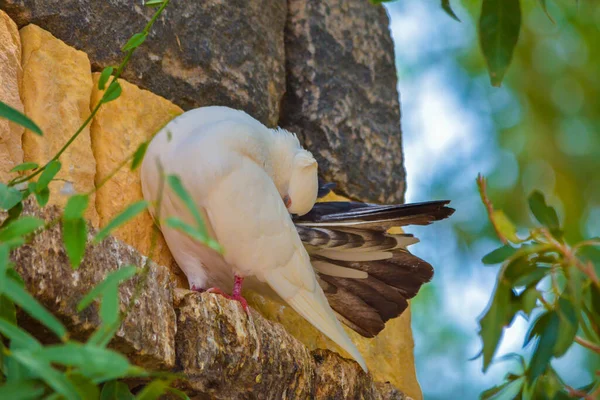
237,292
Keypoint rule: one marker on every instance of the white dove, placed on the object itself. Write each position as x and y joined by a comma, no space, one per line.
247,181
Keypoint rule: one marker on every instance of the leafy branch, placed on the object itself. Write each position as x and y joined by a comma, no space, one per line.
551,284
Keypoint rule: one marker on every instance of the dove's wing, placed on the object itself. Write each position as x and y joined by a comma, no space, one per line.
251,222
366,273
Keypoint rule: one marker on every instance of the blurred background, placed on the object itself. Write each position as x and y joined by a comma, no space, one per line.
540,130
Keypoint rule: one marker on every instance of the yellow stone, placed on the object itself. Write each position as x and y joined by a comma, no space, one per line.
389,355
117,130
11,73
57,85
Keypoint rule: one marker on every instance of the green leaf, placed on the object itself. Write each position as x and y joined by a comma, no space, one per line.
153,3
109,307
545,214
18,336
22,390
135,41
576,279
499,314
76,206
74,233
129,213
20,227
86,388
44,370
9,197
75,229
25,167
112,93
448,9
30,305
104,76
115,390
499,255
499,26
528,299
103,335
537,327
138,156
42,196
544,347
545,8
17,117
531,278
177,186
176,223
153,390
112,280
97,363
46,177
178,393
505,226
567,328
13,214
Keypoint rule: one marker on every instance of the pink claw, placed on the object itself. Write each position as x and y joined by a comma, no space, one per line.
237,292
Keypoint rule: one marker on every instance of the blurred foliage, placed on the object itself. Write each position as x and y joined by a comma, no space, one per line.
545,277
73,369
539,131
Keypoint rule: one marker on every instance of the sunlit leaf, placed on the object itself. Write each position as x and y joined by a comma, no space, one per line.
499,26
97,363
178,393
112,280
505,226
76,206
545,214
177,223
544,347
30,305
9,197
113,92
448,9
20,227
17,117
49,173
21,390
129,213
499,255
26,166
138,156
74,233
109,307
153,390
115,390
104,76
153,3
42,196
135,41
44,370
182,193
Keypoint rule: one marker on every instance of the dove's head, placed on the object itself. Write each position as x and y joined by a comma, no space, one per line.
303,185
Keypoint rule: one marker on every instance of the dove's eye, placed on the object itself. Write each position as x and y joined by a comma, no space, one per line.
287,201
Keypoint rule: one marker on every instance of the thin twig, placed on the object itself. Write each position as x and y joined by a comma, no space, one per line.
482,184
587,344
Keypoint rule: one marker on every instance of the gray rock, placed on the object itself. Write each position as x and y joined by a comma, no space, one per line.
228,355
146,336
198,53
341,97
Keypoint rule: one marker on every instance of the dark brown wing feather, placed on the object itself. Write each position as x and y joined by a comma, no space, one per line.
344,234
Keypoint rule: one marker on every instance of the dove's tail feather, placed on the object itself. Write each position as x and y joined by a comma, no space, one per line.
313,306
366,273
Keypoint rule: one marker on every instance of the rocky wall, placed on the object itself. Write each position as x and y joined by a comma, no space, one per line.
240,55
